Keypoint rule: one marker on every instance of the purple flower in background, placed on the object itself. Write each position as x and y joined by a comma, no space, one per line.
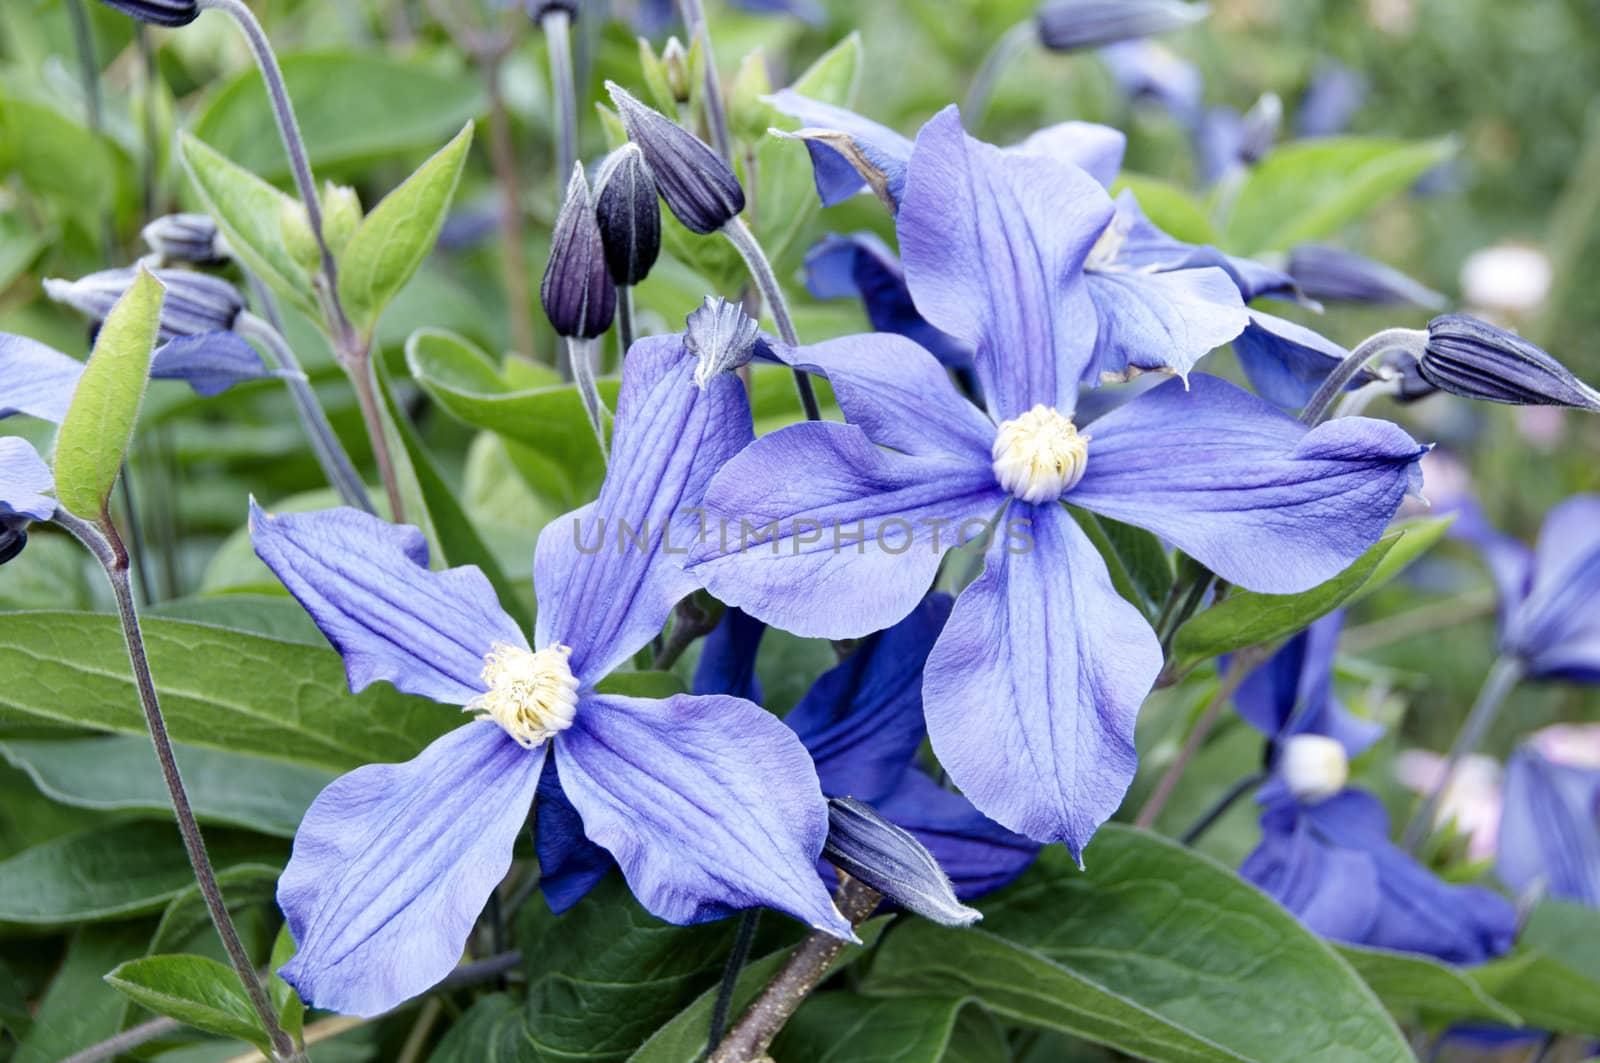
654,16
1550,826
1145,70
861,266
25,486
707,803
1032,688
1336,275
1226,141
1332,98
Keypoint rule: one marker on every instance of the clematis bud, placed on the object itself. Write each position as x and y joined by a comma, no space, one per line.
191,238
722,336
577,293
1314,767
341,216
538,9
1072,25
699,187
195,302
1343,276
158,12
629,214
675,61
13,537
864,845
1476,360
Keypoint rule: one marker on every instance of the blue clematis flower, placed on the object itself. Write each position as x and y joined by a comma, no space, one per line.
707,803
1332,98
25,486
862,724
1550,826
1031,690
1145,70
1286,362
1325,852
861,266
1549,595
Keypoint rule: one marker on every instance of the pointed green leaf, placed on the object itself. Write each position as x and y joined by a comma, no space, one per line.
1409,984
291,1010
388,248
98,427
842,1027
197,991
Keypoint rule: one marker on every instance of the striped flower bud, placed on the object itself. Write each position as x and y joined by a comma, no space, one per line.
158,12
864,845
1474,359
191,238
577,292
1332,274
195,302
699,186
629,214
1073,25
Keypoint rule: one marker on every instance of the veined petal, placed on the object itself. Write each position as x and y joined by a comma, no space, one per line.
848,152
1549,837
393,863
994,245
898,394
367,585
977,853
1032,690
608,575
1283,361
1245,488
728,657
35,380
25,481
861,266
210,362
1161,321
708,803
862,720
570,865
1331,889
817,531
1557,629
1092,147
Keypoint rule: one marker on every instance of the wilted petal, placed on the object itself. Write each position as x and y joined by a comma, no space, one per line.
1089,146
25,481
1550,828
708,803
977,853
994,244
862,720
817,531
1283,361
608,575
1032,689
570,865
1245,488
367,585
393,863
1161,321
861,266
210,362
35,380
866,846
848,152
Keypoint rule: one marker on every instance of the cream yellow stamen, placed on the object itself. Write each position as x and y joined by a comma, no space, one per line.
1040,456
533,695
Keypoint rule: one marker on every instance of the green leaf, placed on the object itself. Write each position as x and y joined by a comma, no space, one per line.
493,1030
291,1010
186,919
1140,569
1310,189
99,423
1170,207
120,774
354,107
1549,993
835,75
1155,950
109,872
1413,984
547,421
389,247
219,689
1568,931
842,1027
79,1009
250,214
642,684
683,1040
194,990
59,159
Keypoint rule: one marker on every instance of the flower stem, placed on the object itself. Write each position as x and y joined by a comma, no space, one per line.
744,241
625,327
802,972
102,541
994,64
1502,678
557,26
1316,410
503,156
581,353
361,375
738,956
1220,808
331,455
694,19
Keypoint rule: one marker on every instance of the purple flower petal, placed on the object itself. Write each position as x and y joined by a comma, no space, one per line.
367,585
848,152
898,394
608,575
25,481
817,531
1293,692
728,658
1245,488
1332,890
1550,829
862,720
1161,321
1509,561
708,803
570,865
35,380
977,853
393,863
1090,146
1557,629
861,266
210,362
994,245
1145,246
1032,690
1283,361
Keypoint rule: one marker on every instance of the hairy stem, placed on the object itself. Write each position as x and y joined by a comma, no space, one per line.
625,327
738,956
581,353
107,548
1209,817
766,281
802,972
361,375
557,27
1316,410
1502,678
694,20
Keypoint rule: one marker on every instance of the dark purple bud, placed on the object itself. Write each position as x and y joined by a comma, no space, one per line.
13,537
195,302
1260,127
1343,276
629,214
158,12
699,186
1402,367
578,296
538,9
1071,25
864,845
722,336
1474,359
191,238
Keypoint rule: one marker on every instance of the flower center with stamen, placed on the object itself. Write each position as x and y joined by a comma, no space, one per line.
1040,456
533,695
